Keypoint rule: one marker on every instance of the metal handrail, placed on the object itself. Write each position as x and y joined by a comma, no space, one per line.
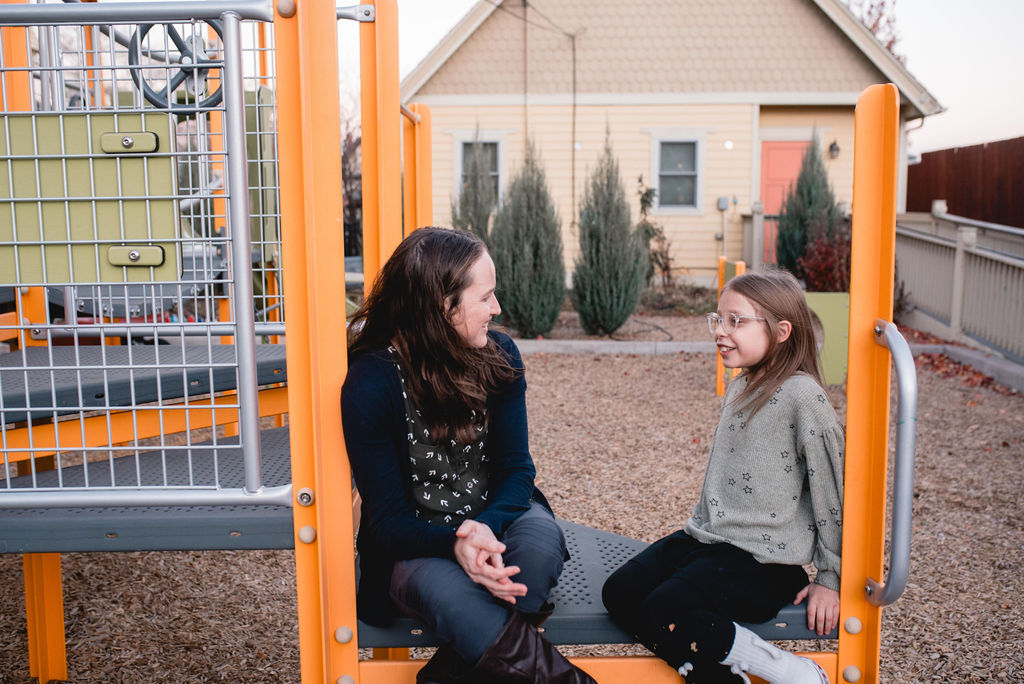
985,225
886,592
133,12
75,497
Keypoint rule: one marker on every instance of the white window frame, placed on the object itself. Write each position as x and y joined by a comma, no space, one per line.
485,135
698,137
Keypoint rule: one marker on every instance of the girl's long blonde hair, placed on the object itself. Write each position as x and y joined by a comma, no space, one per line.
777,295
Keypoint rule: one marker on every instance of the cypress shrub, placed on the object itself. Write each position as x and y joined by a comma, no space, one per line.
472,211
809,213
526,245
612,265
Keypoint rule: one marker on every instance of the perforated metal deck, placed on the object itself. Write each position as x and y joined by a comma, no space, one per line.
74,378
580,616
158,528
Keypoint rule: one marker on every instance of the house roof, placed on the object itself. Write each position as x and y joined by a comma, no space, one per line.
715,50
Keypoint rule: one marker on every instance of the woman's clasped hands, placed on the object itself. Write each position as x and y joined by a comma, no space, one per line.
478,552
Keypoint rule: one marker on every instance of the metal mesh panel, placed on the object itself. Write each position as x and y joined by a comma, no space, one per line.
138,278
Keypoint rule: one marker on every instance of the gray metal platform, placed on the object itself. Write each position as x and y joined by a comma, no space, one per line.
158,528
580,616
58,380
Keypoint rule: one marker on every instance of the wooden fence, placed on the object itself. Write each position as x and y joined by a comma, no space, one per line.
980,181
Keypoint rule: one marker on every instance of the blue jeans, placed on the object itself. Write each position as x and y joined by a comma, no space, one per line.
462,613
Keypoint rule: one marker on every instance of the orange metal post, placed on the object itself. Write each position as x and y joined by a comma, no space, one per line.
418,209
14,83
264,48
867,390
382,128
216,129
424,166
93,82
44,603
44,608
410,179
311,222
723,276
16,96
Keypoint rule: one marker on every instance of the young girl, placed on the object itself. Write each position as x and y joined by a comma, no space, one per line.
771,502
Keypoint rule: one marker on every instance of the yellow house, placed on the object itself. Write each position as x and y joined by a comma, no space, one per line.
712,101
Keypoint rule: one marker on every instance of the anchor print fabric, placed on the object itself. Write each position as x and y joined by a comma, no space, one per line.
449,480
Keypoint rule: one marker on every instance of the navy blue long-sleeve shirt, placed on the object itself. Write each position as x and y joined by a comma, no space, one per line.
374,421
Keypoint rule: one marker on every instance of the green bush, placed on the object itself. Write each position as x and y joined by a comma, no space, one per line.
659,256
477,199
612,265
809,214
526,245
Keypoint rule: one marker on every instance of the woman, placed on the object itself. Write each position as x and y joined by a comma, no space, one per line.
453,531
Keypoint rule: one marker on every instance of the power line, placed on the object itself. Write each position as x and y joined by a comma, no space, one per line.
557,29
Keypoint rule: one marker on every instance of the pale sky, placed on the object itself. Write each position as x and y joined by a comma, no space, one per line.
968,53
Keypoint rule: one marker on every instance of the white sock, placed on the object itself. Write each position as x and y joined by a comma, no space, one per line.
752,654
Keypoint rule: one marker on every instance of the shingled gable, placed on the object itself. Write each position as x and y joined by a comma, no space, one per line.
785,52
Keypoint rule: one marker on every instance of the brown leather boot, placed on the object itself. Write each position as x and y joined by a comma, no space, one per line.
521,655
446,667
537,618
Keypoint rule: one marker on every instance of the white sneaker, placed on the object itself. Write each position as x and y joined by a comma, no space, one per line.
808,672
752,654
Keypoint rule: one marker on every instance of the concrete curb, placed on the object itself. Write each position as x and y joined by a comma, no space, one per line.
1002,370
612,347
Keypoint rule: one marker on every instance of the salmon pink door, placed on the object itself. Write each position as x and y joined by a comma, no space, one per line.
780,166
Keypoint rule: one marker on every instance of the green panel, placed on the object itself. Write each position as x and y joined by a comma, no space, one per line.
69,201
833,310
260,140
142,255
129,141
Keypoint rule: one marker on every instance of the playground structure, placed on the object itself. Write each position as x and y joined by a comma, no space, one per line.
169,181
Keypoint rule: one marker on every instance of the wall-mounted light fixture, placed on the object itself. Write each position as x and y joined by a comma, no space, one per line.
833,150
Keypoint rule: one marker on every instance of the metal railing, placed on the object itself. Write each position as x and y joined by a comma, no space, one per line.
965,280
140,204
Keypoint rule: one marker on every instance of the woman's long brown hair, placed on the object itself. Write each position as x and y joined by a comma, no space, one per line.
410,306
777,295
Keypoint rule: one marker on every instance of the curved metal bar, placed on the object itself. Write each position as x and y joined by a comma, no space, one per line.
73,497
133,12
885,593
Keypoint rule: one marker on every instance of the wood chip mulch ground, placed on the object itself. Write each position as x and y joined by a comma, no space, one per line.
620,443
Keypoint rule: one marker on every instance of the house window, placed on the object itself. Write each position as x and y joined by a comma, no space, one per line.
489,155
677,174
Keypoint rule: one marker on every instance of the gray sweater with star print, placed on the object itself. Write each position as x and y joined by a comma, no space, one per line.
774,482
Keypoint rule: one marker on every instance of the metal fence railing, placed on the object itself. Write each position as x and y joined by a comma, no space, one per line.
140,251
967,277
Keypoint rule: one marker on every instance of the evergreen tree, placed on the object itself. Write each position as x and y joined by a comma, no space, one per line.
476,201
612,265
526,245
809,211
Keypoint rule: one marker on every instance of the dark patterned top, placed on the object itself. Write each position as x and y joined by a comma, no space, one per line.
449,480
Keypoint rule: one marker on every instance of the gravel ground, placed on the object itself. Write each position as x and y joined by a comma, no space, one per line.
230,616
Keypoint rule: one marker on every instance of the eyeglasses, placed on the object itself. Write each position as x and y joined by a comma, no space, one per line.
729,322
